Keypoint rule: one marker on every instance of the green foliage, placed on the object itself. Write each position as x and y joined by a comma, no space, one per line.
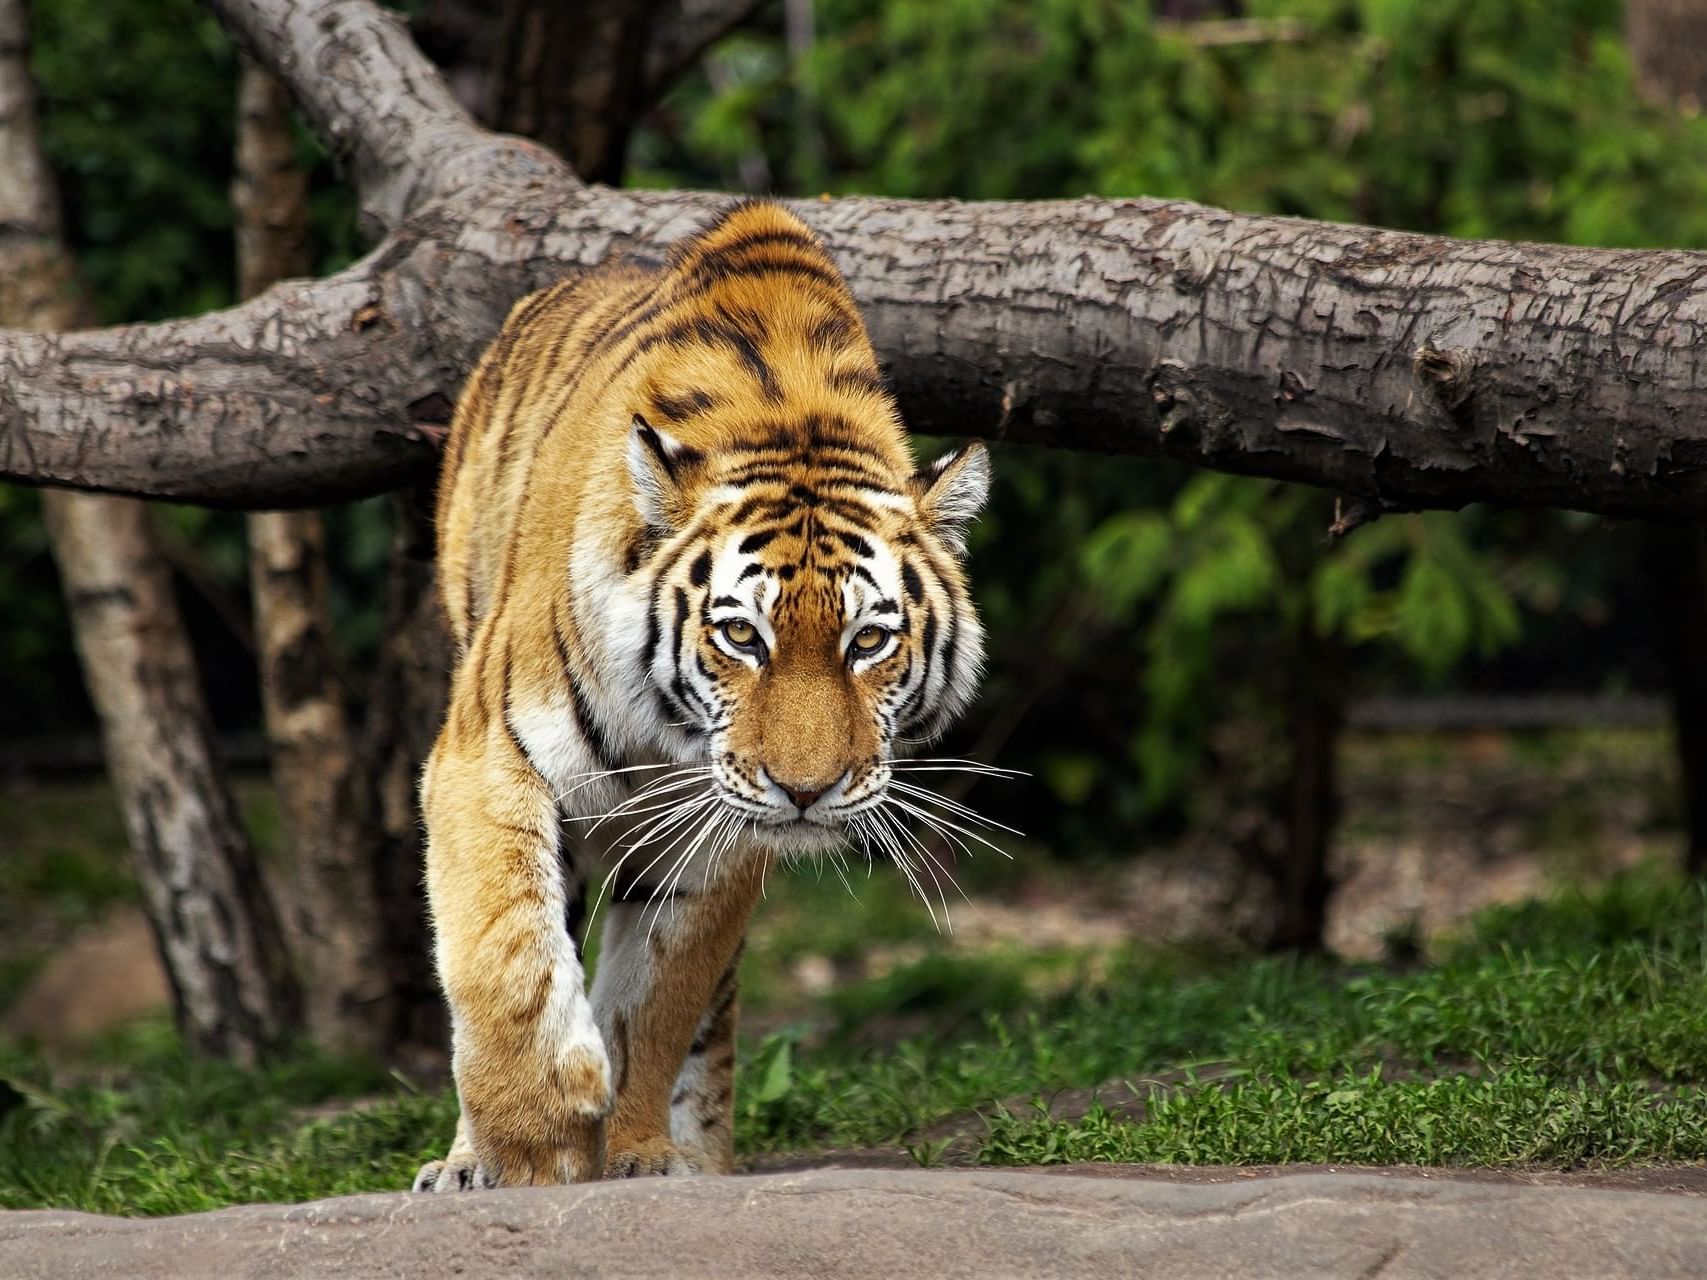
1515,1117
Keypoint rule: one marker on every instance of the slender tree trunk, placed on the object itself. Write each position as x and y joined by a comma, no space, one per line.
406,705
211,915
331,905
1315,714
1677,558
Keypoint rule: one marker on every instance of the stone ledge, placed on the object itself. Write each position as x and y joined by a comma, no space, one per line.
888,1223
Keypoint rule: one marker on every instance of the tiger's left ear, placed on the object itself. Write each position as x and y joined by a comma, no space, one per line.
657,463
951,492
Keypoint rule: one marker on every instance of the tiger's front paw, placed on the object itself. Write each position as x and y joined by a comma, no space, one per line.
453,1173
525,1125
650,1156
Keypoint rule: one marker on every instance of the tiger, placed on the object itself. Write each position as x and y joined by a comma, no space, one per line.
694,577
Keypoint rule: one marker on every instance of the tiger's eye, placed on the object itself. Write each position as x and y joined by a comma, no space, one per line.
869,639
740,633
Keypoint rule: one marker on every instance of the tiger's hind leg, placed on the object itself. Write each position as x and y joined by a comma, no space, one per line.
702,1108
663,969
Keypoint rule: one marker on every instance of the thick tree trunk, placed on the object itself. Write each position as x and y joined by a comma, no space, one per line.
573,76
209,909
1403,370
331,909
484,47
217,929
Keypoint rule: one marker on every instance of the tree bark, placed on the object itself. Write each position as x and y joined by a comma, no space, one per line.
218,933
405,708
463,37
1315,714
1668,45
573,76
211,916
1404,370
331,908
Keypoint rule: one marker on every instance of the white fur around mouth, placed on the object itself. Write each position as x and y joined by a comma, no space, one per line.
796,835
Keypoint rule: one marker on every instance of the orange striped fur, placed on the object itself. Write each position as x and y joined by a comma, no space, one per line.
693,575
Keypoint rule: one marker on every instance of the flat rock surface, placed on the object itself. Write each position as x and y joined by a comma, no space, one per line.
894,1223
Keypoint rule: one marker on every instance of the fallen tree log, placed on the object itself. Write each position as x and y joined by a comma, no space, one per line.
1405,371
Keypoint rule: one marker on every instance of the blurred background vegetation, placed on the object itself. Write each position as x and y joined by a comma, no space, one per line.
1155,631
1186,663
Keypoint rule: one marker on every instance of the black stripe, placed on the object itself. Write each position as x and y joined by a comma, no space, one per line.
700,573
833,332
756,541
853,542
761,473
716,333
885,606
603,752
867,380
681,405
911,580
708,248
593,734
676,632
509,725
905,711
725,267
686,693
575,912
751,571
654,633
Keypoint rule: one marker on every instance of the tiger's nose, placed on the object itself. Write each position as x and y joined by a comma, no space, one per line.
803,796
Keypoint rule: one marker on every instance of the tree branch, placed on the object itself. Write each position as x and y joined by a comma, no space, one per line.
377,101
1407,370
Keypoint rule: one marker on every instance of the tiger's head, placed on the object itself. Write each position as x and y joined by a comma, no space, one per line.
809,615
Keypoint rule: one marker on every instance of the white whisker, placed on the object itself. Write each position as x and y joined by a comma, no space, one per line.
937,819
953,806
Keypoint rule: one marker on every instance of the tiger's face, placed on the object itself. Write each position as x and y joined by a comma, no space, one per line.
812,619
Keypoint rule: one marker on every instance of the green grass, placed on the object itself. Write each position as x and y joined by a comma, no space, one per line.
1515,1117
1563,1033
1609,988
141,1128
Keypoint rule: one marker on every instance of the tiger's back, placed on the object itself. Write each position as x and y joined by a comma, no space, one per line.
681,542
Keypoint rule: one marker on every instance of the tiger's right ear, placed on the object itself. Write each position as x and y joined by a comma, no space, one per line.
657,463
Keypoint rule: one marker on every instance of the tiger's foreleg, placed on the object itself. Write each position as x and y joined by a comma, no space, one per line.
664,968
531,1070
